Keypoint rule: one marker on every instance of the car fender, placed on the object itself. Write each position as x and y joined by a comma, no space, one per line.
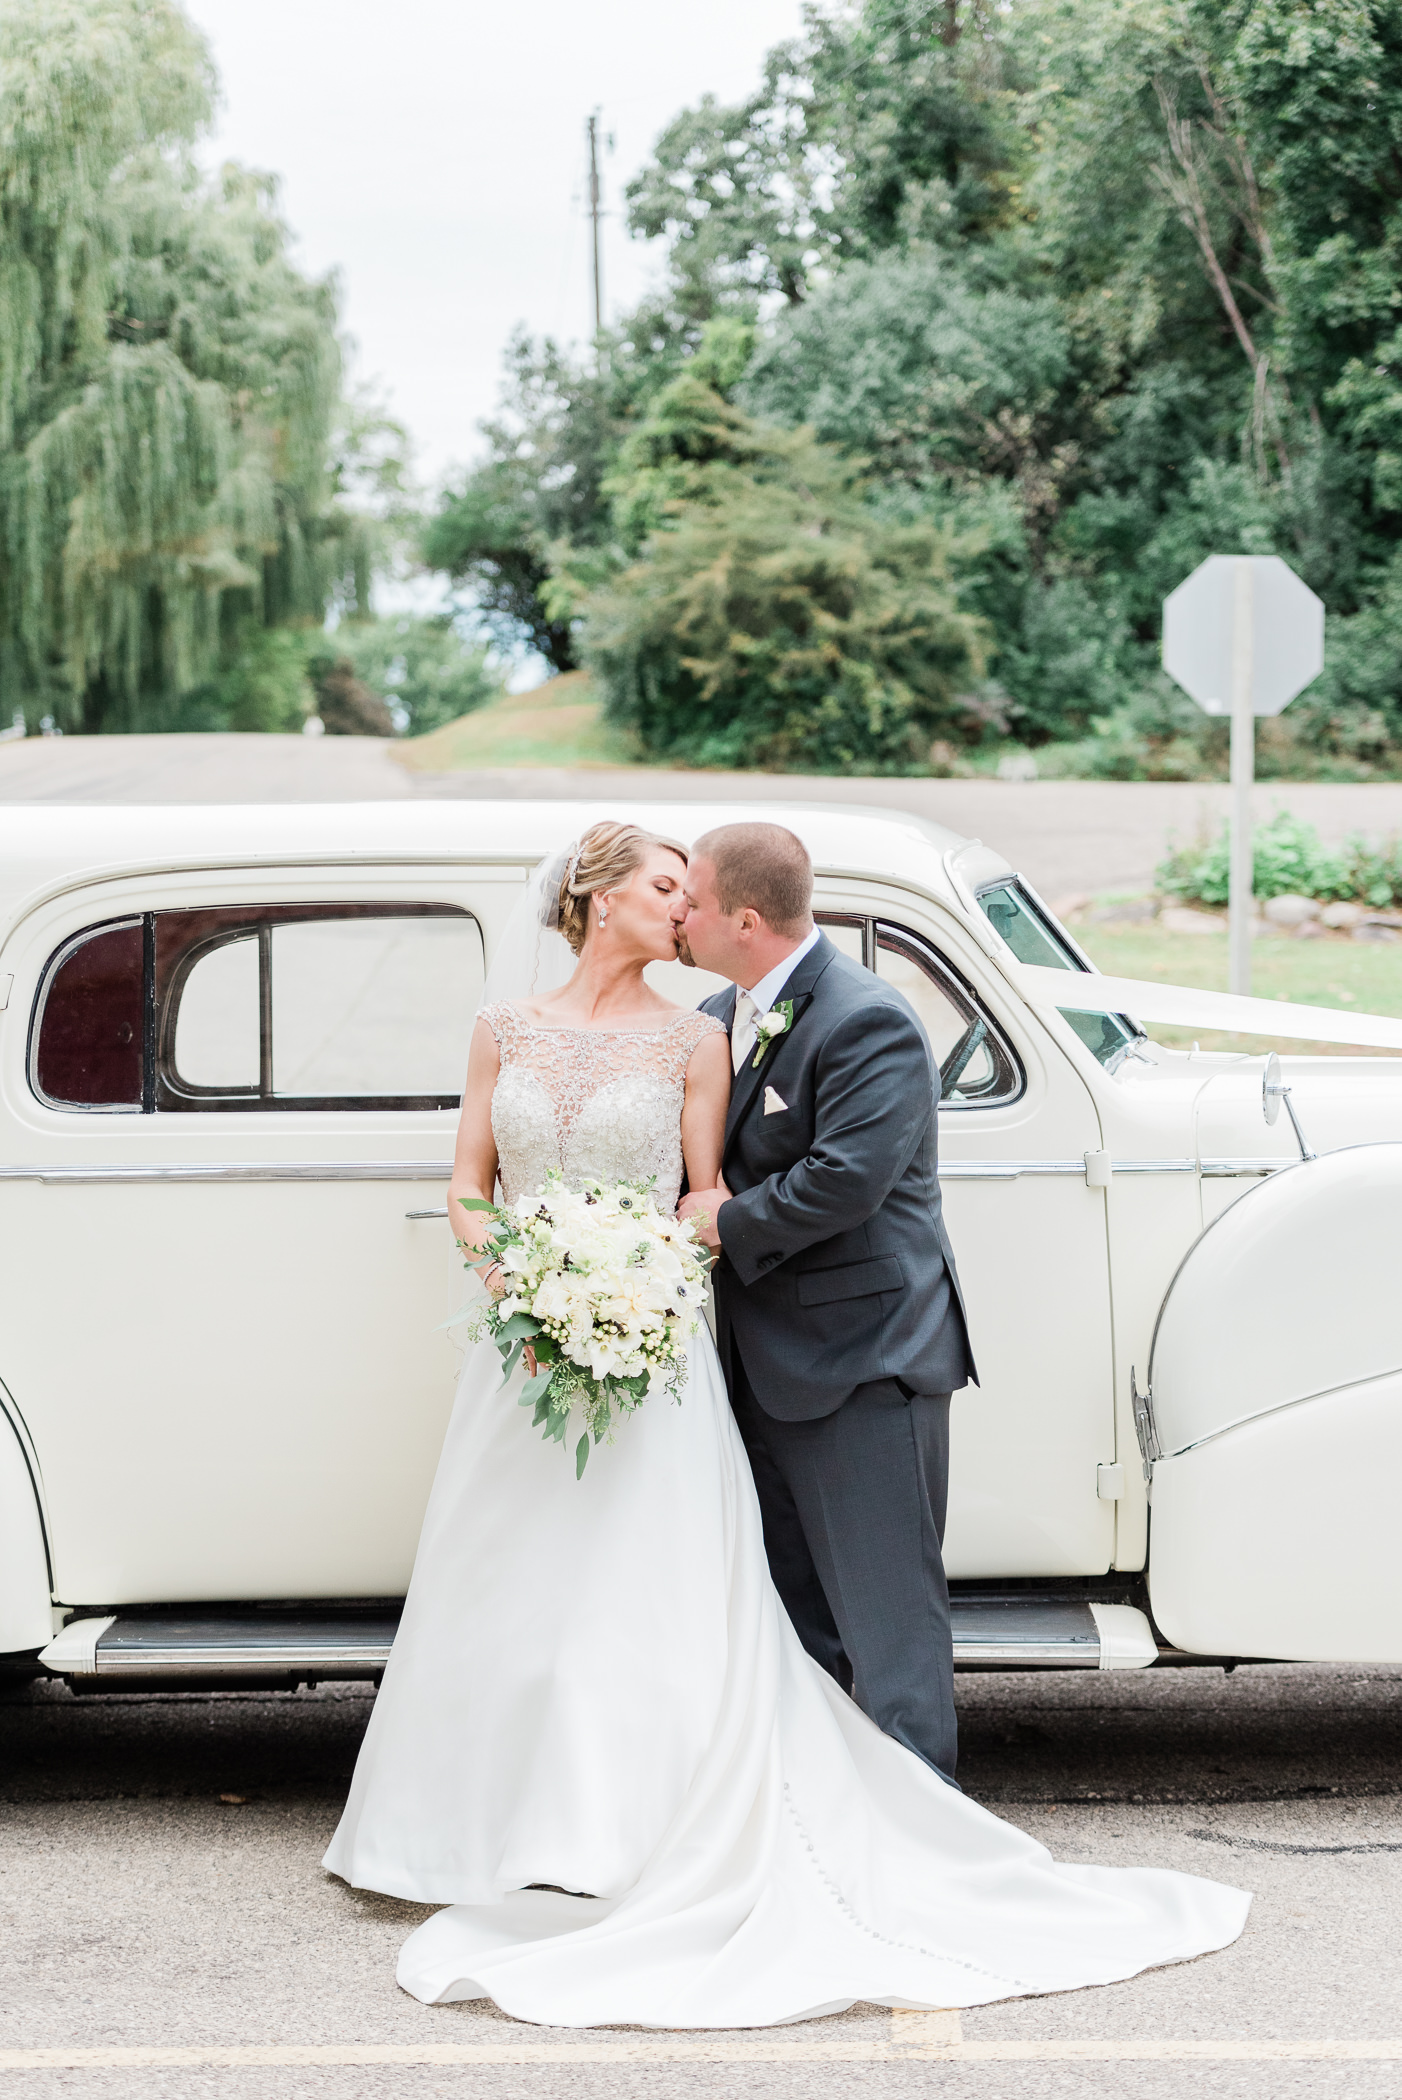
1276,1400
26,1609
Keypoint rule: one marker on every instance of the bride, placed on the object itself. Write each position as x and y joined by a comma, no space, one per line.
599,1742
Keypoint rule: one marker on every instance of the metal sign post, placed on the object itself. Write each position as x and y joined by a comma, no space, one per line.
1243,636
1243,773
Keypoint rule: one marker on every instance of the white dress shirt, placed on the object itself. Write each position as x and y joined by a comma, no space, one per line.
759,999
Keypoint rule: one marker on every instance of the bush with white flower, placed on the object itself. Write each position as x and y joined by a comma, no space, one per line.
603,1289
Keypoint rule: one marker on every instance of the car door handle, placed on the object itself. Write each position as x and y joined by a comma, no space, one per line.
425,1213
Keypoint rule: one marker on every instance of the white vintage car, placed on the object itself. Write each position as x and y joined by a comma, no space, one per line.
231,1048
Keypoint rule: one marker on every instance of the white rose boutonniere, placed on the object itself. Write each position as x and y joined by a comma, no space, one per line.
769,1027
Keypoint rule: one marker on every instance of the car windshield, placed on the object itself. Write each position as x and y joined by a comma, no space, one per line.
1037,939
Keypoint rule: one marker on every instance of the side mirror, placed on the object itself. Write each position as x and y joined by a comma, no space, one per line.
1271,1088
1273,1092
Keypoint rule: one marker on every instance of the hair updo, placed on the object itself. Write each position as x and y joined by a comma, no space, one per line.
605,857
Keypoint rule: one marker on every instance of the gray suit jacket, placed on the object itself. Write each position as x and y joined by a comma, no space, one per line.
836,1267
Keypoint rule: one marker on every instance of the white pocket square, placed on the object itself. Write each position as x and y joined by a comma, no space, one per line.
774,1104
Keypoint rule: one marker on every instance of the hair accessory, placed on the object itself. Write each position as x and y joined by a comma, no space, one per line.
559,873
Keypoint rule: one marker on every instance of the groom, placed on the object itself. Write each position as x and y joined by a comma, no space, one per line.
841,1321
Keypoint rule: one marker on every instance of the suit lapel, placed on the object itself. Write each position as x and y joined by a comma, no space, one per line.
800,988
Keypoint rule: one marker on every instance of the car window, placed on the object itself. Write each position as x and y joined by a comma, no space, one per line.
977,1065
847,933
216,1019
374,1006
1032,936
1036,939
88,1042
262,1007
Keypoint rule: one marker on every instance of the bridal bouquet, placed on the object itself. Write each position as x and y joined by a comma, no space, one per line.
604,1290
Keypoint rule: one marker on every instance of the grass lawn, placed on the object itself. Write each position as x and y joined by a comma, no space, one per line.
1364,975
558,724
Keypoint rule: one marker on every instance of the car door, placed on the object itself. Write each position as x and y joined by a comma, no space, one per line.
227,1108
1029,1237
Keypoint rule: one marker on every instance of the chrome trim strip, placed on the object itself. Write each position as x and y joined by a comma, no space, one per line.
1013,1169
442,1170
1023,1633
256,1170
215,1658
1006,1169
1280,1407
114,1648
1026,1655
1010,1636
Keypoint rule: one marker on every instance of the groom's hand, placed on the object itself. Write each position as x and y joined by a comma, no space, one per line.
704,1205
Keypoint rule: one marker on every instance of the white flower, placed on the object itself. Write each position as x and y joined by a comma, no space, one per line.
771,1024
558,1297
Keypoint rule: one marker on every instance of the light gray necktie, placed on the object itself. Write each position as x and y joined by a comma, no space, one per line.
742,1029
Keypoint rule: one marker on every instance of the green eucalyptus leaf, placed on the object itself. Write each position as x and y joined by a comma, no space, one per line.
581,1456
521,1326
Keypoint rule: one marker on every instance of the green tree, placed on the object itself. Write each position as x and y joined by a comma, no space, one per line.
168,381
774,618
422,668
1083,290
884,124
549,449
264,687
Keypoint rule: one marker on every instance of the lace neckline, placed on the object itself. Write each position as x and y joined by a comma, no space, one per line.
600,1102
543,1028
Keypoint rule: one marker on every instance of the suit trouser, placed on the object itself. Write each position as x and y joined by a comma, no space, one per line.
853,1507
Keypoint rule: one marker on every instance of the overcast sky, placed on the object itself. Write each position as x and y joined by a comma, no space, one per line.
433,153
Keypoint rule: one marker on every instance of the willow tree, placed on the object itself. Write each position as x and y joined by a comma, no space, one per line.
168,381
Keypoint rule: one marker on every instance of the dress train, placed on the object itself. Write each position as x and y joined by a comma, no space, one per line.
596,1688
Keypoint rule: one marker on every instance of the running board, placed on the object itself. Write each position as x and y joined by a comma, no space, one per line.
1024,1633
280,1650
283,1649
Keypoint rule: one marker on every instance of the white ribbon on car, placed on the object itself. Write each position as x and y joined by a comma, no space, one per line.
1182,1007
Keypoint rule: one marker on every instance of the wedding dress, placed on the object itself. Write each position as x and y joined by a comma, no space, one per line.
595,1689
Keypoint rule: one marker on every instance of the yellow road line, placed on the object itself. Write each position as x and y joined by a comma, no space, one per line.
680,2049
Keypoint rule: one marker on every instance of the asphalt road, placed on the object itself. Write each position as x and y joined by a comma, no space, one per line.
145,1910
1070,838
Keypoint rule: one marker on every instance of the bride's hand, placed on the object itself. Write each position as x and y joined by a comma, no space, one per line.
701,1207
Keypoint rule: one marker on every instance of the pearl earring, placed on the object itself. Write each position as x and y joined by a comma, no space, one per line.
603,916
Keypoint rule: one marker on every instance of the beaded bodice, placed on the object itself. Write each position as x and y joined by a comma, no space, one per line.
600,1104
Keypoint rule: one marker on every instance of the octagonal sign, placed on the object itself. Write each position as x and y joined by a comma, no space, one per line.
1251,601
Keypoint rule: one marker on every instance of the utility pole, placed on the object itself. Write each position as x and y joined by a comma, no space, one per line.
595,215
